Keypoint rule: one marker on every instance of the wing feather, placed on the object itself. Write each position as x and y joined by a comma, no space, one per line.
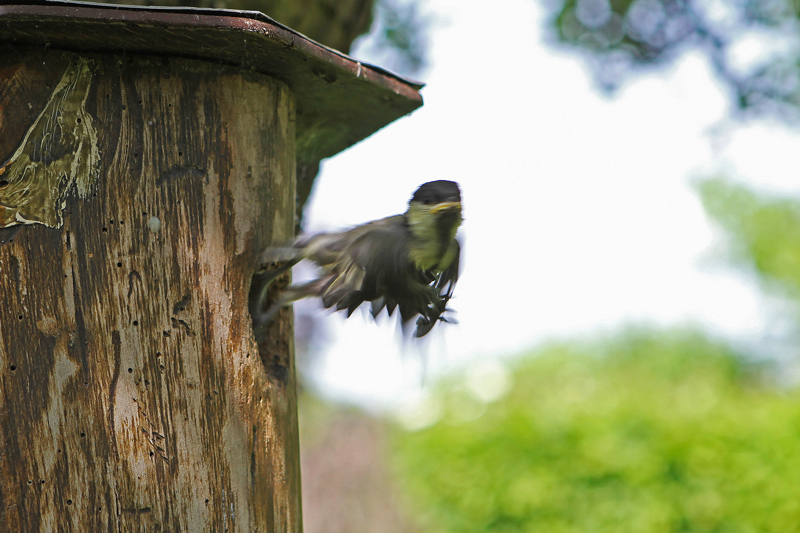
371,263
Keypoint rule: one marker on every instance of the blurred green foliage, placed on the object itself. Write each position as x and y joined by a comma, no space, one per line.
645,431
621,37
763,232
642,431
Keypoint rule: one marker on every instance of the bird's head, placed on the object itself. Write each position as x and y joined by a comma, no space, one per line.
439,195
437,198
434,211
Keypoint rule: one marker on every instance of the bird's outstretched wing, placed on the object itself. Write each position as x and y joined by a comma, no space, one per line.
368,263
374,267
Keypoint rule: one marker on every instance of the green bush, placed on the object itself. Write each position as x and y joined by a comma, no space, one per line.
762,232
643,432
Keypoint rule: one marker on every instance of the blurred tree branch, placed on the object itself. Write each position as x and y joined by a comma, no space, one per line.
753,46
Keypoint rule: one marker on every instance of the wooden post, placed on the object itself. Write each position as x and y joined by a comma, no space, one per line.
137,188
134,394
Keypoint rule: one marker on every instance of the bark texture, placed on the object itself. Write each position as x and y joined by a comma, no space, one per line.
132,394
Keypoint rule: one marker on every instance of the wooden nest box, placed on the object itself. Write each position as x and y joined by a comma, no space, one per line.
147,156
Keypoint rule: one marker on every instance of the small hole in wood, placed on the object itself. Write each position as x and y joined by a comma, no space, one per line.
21,317
180,153
105,229
119,264
69,502
3,183
83,435
78,121
59,450
135,322
30,482
122,222
151,454
146,383
130,371
13,368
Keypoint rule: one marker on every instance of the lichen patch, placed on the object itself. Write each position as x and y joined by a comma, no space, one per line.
58,153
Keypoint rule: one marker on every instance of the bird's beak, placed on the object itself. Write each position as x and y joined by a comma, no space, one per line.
446,206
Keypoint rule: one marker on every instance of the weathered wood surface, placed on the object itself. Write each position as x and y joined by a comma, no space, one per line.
340,100
132,394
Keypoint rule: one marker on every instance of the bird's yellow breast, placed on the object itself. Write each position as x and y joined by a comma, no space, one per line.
433,230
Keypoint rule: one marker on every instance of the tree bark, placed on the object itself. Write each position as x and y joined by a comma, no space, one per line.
132,394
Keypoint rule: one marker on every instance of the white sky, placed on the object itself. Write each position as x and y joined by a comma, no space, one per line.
579,210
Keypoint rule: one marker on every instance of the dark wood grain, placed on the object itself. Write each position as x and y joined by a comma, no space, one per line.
132,394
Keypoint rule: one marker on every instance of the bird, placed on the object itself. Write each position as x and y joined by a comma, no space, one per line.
409,262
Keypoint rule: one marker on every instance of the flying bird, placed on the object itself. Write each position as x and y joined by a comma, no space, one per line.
408,262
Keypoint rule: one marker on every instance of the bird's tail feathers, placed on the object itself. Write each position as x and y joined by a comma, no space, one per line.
382,303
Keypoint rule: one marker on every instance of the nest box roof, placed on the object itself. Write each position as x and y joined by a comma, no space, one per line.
340,100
